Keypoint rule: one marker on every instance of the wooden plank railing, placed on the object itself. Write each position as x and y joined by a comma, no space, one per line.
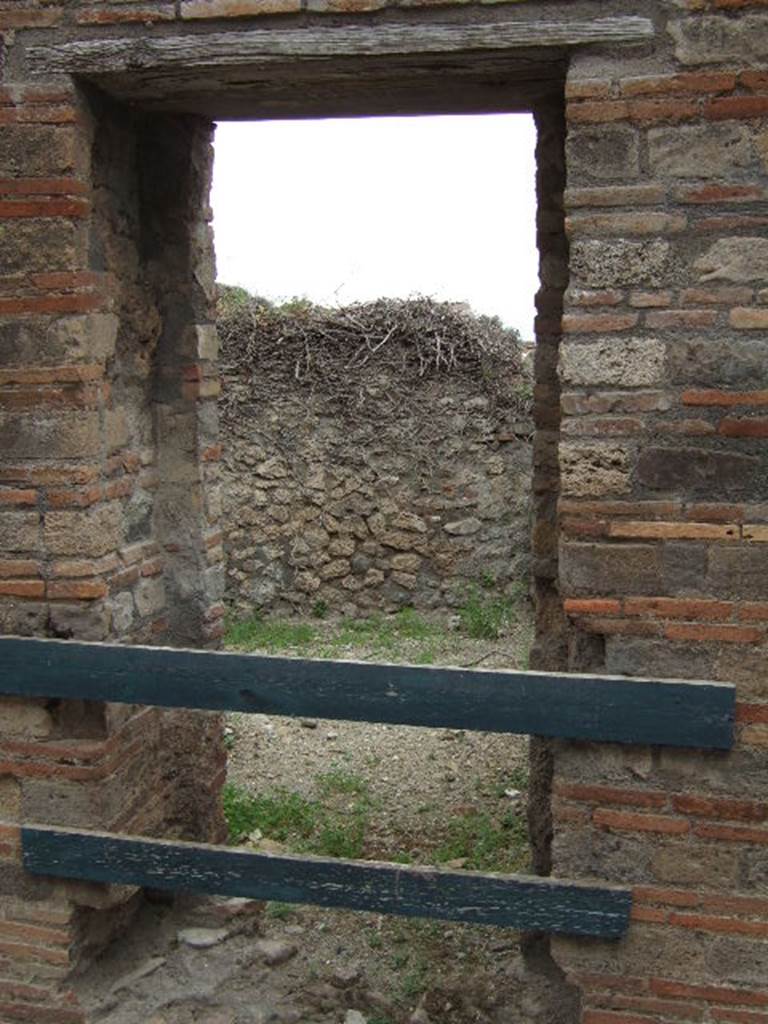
596,708
576,707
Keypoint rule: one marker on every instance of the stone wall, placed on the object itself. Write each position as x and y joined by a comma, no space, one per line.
650,439
405,502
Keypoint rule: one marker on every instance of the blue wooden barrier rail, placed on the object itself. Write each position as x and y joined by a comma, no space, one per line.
595,708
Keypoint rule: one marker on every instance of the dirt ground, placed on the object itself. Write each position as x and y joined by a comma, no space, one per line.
216,961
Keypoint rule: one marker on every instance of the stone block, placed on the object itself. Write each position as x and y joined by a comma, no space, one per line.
603,153
628,362
37,150
40,245
694,471
708,361
656,659
91,621
718,39
619,263
701,151
66,435
610,569
706,866
739,260
739,571
24,718
149,596
10,798
94,531
592,470
19,531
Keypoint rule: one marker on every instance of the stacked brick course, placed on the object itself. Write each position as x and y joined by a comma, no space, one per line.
108,484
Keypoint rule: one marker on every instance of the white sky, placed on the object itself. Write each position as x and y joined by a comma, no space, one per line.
346,210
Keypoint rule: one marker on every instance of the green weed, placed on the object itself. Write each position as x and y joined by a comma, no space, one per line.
269,635
485,616
283,815
485,843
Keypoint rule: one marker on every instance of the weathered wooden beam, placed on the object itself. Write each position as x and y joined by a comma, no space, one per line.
201,52
579,707
515,901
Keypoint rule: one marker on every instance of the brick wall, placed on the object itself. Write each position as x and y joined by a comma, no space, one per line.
109,474
663,506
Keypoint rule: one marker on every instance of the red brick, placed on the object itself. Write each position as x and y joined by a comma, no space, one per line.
648,111
26,953
77,590
689,427
611,1017
597,112
29,18
671,897
725,925
51,304
153,567
587,88
13,208
645,300
610,795
679,608
191,9
732,833
730,222
650,915
753,611
584,527
661,1008
591,606
740,1016
723,295
751,712
743,428
18,567
70,498
749,906
649,509
714,512
673,318
615,195
693,82
719,807
22,588
757,533
719,634
639,223
123,15
33,1014
18,497
710,993
736,107
636,822
726,398
212,453
674,531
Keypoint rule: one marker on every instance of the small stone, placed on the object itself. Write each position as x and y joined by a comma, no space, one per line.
355,1017
331,736
201,938
308,723
346,976
456,863
275,952
463,527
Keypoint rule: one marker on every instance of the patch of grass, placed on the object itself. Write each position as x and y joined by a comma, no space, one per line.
341,780
486,616
279,911
319,609
269,634
486,843
282,815
386,634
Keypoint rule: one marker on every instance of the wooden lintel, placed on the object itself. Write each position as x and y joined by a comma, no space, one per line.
201,52
515,901
579,707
